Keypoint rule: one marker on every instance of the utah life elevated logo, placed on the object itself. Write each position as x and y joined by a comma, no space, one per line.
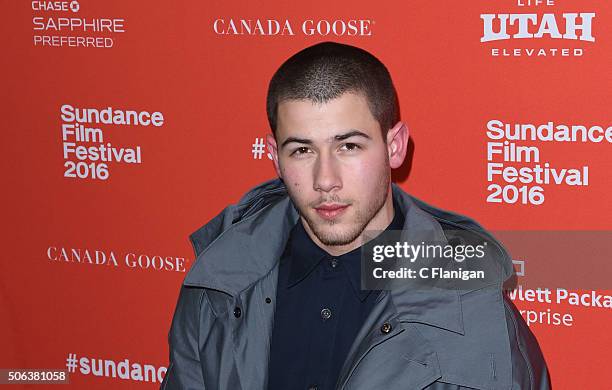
541,34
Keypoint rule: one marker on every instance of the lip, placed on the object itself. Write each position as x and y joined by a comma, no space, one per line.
331,211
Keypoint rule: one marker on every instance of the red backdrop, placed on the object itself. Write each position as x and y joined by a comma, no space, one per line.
204,67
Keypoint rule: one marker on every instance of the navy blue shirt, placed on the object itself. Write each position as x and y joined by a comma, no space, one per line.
320,307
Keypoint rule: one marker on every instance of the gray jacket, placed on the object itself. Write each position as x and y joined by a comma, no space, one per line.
221,329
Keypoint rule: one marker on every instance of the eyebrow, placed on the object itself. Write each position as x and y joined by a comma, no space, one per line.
295,139
339,137
352,133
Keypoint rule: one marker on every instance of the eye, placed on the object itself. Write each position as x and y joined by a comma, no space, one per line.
349,146
300,151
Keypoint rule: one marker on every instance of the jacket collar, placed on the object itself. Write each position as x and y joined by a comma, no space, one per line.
245,242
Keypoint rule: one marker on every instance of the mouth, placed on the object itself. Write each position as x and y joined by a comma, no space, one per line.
331,211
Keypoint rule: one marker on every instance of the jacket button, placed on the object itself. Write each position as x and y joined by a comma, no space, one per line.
386,328
237,312
268,300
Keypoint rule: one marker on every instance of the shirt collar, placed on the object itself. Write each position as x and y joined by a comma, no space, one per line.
305,255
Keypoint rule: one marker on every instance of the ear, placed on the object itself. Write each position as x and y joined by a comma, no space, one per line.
273,150
397,144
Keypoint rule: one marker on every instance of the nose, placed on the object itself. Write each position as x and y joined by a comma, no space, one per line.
326,174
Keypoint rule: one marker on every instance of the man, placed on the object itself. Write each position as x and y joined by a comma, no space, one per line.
274,300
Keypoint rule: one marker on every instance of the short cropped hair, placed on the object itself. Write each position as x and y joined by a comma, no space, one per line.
327,70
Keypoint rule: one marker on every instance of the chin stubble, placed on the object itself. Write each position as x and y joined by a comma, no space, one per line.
335,238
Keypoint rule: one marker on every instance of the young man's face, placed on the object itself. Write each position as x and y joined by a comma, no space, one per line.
337,167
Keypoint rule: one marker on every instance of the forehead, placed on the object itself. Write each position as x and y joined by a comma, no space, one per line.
308,118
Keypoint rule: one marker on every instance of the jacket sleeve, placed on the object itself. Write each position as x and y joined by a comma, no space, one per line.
529,371
185,371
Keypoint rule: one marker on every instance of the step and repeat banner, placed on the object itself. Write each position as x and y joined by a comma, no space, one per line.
129,124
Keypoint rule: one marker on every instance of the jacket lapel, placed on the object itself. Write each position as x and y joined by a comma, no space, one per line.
253,331
388,354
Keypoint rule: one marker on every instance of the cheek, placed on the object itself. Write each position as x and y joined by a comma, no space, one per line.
372,161
369,172
294,177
